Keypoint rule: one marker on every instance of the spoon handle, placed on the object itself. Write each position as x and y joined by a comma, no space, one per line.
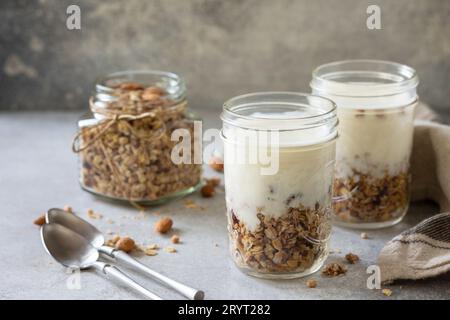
190,293
115,273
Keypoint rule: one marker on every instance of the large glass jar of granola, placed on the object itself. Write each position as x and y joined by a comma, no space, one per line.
376,102
125,145
279,150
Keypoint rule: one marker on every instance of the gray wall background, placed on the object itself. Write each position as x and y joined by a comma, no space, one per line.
222,48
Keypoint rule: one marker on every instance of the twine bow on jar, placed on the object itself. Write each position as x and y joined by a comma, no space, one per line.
110,118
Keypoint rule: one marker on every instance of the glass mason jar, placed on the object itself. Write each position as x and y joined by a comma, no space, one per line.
125,144
279,151
376,102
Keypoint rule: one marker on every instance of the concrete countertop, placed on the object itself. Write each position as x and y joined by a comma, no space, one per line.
39,171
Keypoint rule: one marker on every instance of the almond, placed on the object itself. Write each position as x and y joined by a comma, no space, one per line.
163,225
40,220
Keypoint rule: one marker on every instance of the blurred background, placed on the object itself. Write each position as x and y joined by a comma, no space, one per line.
222,48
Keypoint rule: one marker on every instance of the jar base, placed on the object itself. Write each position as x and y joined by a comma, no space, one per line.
283,276
159,201
367,225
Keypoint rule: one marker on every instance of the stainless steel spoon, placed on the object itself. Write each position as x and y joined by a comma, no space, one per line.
73,251
96,238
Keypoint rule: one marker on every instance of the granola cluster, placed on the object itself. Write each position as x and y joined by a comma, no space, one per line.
362,198
291,243
130,159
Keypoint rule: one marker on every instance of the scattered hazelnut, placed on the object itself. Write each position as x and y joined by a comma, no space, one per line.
364,235
208,191
93,215
68,209
351,258
311,283
387,292
213,182
125,244
163,225
175,239
216,164
40,220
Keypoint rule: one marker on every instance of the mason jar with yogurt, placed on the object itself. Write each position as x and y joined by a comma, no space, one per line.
279,151
376,102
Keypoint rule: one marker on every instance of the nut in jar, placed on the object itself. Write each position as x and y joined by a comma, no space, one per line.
125,148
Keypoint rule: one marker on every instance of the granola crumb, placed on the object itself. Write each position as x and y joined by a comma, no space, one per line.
125,244
175,239
191,204
334,270
150,252
112,242
153,246
40,220
68,209
208,191
387,292
163,225
311,283
364,235
351,258
170,249
93,215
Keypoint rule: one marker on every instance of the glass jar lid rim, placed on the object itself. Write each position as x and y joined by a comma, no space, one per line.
386,78
257,101
100,82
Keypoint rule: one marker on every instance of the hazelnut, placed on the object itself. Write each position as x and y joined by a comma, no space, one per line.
213,182
40,220
148,96
311,283
175,239
216,164
208,191
163,225
125,244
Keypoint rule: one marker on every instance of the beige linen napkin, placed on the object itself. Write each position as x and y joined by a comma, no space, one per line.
424,251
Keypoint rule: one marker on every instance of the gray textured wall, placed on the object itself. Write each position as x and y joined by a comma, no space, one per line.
222,48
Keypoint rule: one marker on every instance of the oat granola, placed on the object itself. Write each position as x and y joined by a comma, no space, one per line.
293,242
362,198
129,158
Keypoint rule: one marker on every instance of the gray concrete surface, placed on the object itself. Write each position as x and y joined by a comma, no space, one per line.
39,171
222,47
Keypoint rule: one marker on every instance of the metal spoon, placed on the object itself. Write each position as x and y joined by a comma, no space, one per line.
96,238
73,251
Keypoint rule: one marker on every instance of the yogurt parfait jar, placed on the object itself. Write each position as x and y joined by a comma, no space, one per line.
279,151
376,102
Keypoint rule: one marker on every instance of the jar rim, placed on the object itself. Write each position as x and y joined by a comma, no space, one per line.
177,90
363,78
237,110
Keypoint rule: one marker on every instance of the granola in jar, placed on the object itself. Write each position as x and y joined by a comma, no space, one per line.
125,148
376,102
279,220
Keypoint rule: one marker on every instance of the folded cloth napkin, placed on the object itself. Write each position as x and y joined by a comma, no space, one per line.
424,251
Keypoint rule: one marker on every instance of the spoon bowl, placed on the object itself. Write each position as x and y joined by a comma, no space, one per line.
67,247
